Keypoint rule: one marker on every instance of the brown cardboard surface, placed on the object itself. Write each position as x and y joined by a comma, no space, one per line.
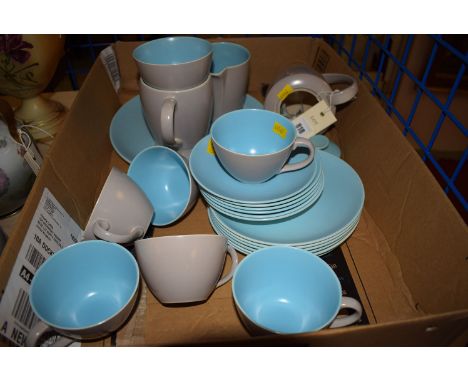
395,181
408,255
415,227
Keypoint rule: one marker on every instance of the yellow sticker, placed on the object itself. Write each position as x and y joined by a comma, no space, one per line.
279,129
287,90
210,149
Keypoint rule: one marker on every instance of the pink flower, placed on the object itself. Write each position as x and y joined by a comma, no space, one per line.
13,46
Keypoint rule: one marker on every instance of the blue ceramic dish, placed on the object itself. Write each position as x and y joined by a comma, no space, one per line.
341,202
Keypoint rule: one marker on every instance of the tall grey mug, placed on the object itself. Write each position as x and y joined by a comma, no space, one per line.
178,118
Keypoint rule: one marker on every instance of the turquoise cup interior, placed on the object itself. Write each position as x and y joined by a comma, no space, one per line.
253,132
286,290
164,177
84,284
227,54
172,50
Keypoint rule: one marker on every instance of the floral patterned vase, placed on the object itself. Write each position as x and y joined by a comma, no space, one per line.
27,64
16,176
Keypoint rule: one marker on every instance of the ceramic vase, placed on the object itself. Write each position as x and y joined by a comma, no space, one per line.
27,64
16,176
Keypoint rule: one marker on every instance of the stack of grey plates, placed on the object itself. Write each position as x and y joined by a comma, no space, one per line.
282,196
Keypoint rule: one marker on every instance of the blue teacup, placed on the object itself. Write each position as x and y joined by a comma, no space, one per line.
165,178
253,145
286,290
84,291
174,63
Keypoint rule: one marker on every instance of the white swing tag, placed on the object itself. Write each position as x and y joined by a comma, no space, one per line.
32,155
314,120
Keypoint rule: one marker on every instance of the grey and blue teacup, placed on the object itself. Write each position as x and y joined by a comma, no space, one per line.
84,291
286,290
165,178
253,145
174,63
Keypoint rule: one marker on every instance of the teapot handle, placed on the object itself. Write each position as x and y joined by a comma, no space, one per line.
345,95
8,115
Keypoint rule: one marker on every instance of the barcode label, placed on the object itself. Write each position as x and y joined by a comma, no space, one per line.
112,67
34,257
300,128
49,206
22,310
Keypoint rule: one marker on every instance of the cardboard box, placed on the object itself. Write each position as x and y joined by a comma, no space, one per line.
408,256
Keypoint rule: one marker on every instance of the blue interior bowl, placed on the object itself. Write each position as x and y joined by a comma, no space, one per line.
253,132
286,290
164,177
172,50
84,285
227,54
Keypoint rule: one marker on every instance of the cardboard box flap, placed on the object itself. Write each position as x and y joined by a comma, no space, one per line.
408,205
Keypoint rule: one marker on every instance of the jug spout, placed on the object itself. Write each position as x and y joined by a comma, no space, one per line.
230,72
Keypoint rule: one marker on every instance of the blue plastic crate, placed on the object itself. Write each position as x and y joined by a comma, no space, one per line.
442,72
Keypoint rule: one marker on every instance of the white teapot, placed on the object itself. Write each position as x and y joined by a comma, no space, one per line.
16,176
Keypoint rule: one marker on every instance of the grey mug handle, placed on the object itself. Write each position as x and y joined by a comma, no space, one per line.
350,303
235,261
101,229
167,122
39,330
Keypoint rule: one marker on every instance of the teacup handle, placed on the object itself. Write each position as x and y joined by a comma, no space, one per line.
235,261
101,230
39,330
300,142
350,303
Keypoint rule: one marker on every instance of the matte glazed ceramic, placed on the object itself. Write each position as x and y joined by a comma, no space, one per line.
178,118
174,63
129,133
210,175
254,145
84,291
165,178
183,269
286,290
230,73
122,212
341,202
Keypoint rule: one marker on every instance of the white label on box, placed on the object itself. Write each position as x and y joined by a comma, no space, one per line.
51,229
314,120
110,62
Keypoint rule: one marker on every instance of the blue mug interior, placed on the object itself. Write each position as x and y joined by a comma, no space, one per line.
84,284
172,50
227,54
286,290
253,132
163,176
